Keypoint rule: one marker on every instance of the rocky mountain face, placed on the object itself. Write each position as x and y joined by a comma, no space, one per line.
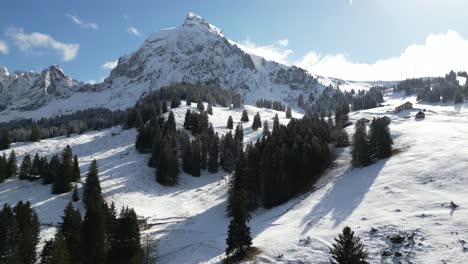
198,52
195,53
30,90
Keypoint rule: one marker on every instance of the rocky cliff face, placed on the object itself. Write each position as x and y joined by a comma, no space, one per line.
31,90
198,52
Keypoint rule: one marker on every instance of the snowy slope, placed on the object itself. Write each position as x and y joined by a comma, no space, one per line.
408,193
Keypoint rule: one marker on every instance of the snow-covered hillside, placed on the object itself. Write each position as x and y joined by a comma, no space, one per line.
408,194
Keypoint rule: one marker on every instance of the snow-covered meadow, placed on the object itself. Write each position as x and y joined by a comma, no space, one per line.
408,194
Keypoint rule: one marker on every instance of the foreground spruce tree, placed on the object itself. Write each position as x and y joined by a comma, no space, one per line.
94,243
239,239
360,149
348,249
62,181
28,226
9,236
70,230
76,174
230,123
12,167
125,240
380,139
245,116
257,122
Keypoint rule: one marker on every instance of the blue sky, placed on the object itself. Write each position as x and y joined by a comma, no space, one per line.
353,40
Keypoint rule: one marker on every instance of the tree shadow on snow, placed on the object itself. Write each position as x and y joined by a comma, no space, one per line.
344,196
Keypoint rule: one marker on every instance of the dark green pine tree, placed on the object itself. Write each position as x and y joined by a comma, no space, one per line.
59,253
25,168
266,130
170,127
230,123
46,255
35,134
5,139
239,240
380,139
257,121
245,116
70,228
360,149
75,195
62,181
209,109
237,182
28,226
167,170
12,167
156,147
125,242
76,174
3,167
200,106
94,243
164,106
348,249
195,160
36,166
138,119
276,124
188,119
187,159
213,155
53,170
9,236
288,112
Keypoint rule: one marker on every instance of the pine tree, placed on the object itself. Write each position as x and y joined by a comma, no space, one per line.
360,149
170,127
239,239
25,169
62,181
214,155
196,148
36,166
75,196
125,242
380,140
5,139
348,249
9,236
266,130
46,255
200,106
188,119
245,116
230,123
288,112
35,134
209,109
156,147
12,167
53,171
164,106
70,228
138,120
94,244
257,122
28,226
276,124
59,253
76,174
3,167
187,159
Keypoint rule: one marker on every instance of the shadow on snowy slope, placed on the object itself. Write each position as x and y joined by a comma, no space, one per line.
345,195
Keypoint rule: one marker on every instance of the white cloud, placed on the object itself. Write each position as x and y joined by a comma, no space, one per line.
283,42
350,2
439,54
133,31
276,52
34,41
109,65
82,24
3,47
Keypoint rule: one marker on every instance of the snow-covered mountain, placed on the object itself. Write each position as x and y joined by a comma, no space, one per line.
196,52
27,90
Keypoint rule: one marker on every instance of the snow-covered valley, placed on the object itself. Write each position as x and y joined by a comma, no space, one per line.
408,194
